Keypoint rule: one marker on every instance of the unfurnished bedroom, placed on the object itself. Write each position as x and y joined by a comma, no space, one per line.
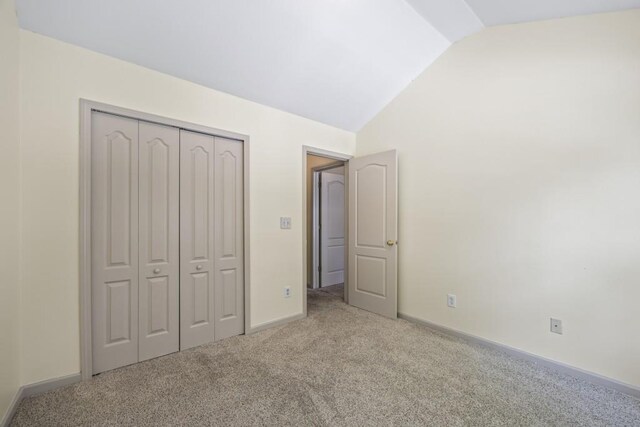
327,213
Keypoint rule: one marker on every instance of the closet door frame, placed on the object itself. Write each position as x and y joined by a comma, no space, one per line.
86,108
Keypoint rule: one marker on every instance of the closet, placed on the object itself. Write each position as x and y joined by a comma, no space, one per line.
166,239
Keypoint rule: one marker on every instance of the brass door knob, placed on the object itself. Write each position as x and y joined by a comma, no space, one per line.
391,242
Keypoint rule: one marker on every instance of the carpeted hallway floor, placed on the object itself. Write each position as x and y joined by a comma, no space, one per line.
335,290
340,366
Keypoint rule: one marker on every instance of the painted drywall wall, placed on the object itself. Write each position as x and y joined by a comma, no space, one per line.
55,76
519,171
10,205
312,162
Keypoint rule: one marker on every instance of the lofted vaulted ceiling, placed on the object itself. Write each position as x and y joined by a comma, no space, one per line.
335,61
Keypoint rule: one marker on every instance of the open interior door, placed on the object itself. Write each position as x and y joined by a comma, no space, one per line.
332,228
373,233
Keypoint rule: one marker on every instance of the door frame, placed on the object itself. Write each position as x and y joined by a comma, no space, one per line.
86,108
316,217
306,149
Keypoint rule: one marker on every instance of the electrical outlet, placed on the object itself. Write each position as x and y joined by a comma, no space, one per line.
285,222
556,326
451,301
287,292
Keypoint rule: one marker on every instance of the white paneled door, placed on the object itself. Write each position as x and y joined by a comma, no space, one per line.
229,248
159,222
373,233
196,239
114,241
332,215
167,237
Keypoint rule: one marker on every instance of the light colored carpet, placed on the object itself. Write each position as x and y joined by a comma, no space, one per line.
340,366
335,290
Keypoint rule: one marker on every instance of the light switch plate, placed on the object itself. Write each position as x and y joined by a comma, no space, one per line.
452,301
285,222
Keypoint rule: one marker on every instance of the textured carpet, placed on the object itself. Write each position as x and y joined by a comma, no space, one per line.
335,290
340,366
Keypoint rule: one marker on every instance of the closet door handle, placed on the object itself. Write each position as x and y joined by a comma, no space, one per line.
198,267
156,271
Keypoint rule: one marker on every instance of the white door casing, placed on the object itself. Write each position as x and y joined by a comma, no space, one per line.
373,233
196,239
159,225
114,243
332,239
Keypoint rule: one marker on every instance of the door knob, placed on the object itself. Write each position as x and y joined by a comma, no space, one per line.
156,270
198,267
391,242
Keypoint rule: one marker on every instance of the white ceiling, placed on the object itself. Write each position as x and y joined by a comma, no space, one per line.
335,61
497,12
453,18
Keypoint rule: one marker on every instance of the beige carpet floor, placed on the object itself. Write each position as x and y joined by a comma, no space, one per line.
340,366
335,290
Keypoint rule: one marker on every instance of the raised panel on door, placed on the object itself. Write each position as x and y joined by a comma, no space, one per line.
332,228
159,223
197,321
373,230
114,243
229,251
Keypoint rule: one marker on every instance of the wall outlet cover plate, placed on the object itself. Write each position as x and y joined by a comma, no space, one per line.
556,326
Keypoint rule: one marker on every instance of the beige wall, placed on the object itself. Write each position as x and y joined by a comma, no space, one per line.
54,76
312,162
519,154
9,205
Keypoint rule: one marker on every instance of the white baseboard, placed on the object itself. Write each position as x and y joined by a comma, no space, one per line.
11,410
592,377
33,389
273,323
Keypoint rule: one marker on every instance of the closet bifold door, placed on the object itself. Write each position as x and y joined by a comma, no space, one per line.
229,265
159,263
114,242
197,321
